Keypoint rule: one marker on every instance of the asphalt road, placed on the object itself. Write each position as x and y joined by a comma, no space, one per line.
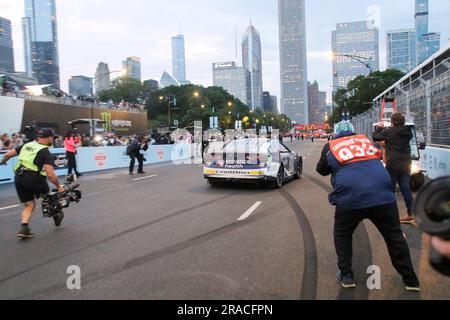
168,235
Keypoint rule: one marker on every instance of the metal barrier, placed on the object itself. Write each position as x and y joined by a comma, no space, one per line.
424,97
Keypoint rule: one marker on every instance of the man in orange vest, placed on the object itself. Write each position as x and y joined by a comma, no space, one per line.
362,190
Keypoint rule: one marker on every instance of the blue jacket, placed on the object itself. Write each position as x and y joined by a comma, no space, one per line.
358,185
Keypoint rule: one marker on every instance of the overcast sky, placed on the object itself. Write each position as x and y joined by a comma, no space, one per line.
91,31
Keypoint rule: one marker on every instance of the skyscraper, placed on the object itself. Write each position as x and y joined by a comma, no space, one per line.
401,49
178,58
294,75
80,86
233,79
132,68
269,102
41,41
102,77
6,46
354,45
427,42
317,103
252,62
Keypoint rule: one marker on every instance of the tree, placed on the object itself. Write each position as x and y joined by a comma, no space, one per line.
360,92
128,90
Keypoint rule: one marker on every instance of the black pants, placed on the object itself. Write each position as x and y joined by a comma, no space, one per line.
72,163
387,221
140,159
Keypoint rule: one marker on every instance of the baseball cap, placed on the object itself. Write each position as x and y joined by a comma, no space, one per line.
46,133
344,126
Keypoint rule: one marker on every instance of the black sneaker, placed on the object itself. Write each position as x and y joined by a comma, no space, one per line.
346,281
79,175
412,286
58,219
25,232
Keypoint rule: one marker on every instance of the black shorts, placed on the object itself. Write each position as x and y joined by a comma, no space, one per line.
31,186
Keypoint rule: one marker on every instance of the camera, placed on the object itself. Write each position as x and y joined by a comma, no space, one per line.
53,203
432,211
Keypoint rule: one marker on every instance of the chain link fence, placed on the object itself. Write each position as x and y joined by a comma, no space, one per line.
424,97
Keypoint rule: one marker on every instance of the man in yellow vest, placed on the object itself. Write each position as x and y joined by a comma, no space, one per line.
35,165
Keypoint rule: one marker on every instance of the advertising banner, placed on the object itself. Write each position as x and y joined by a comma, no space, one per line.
436,162
104,158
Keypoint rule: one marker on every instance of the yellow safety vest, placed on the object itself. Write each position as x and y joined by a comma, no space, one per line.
27,155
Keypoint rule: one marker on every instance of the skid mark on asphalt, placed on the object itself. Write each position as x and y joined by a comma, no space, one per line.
362,253
151,223
140,261
310,274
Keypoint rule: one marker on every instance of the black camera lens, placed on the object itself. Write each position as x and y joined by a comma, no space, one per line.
432,208
438,206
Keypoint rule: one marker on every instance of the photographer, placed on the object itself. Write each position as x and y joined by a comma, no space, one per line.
398,155
134,152
35,165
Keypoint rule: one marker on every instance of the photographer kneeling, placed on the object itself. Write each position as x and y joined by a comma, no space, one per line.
35,165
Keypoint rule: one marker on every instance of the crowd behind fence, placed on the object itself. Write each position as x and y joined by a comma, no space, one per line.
425,100
71,101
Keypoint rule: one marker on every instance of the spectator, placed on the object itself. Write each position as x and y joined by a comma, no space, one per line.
71,152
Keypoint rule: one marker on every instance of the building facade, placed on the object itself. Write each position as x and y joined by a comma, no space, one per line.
427,42
178,58
41,41
132,68
270,103
252,62
6,46
401,50
293,64
81,86
233,79
102,77
354,44
317,104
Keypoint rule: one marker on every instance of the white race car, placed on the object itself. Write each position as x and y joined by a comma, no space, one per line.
259,160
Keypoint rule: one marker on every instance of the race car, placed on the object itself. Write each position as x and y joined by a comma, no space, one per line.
257,160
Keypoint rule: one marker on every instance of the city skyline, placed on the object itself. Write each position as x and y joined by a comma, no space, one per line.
210,40
40,40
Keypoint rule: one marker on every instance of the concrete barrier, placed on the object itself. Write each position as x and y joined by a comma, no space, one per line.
104,158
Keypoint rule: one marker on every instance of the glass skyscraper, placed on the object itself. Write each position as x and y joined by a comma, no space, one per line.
427,42
293,64
132,68
80,86
41,41
252,62
233,79
6,46
401,49
178,58
102,77
353,41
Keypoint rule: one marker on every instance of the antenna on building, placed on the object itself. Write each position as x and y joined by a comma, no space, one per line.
180,28
236,42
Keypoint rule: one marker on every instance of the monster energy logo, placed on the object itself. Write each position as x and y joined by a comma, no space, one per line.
106,117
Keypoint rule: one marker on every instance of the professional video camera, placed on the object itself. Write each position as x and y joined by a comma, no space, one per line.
432,211
53,203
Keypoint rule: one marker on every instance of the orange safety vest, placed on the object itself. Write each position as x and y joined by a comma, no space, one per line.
354,149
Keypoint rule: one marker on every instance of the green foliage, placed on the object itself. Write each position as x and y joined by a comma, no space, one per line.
128,90
192,103
361,91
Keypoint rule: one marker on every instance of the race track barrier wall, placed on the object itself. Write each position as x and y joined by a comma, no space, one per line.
436,162
104,158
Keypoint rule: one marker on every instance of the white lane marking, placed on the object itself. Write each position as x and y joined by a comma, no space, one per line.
147,177
10,207
250,211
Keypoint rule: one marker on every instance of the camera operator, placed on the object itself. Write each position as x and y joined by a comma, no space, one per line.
35,165
134,152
